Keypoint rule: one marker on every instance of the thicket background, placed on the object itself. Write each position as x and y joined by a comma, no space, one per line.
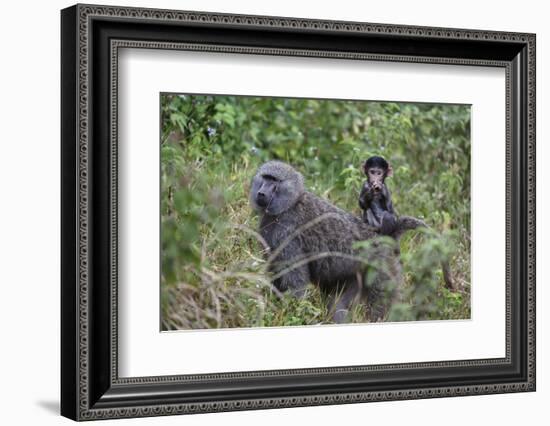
213,272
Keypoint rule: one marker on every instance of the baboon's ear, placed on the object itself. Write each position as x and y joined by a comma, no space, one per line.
365,167
390,171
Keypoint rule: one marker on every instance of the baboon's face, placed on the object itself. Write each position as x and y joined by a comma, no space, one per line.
377,170
268,194
275,188
264,190
271,195
376,176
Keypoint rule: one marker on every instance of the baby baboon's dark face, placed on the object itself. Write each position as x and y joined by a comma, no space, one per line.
376,176
377,170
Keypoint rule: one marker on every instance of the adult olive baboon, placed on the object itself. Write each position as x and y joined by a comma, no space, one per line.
312,241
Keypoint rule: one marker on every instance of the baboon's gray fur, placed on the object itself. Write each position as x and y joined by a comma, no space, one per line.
312,241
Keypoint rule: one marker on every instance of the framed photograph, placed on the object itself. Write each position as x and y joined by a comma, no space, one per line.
263,212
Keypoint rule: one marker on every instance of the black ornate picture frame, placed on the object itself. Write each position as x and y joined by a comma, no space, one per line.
90,385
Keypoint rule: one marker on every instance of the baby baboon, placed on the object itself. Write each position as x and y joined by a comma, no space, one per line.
376,203
312,241
375,198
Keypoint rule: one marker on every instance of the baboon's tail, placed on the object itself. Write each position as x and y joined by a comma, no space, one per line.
407,223
449,282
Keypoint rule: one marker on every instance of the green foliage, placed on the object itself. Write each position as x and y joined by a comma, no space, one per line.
424,298
213,272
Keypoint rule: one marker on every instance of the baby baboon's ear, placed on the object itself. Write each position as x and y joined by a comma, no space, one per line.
390,171
365,167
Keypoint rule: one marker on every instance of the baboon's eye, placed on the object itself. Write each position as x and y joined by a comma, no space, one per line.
270,178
